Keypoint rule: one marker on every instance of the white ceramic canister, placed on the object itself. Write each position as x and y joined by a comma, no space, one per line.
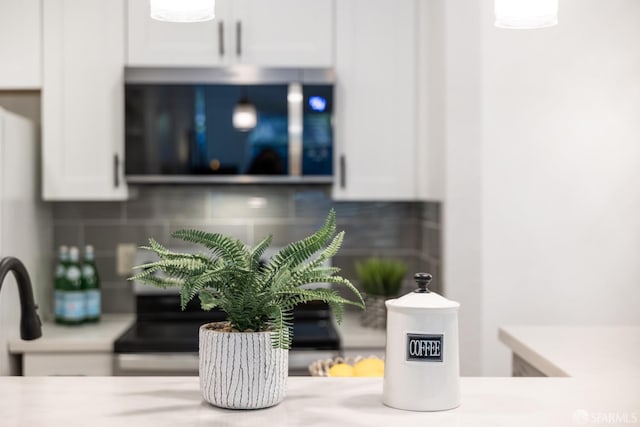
422,368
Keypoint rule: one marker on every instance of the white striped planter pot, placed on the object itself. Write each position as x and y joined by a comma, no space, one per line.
241,370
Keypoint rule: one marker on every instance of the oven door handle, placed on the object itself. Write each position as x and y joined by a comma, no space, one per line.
158,362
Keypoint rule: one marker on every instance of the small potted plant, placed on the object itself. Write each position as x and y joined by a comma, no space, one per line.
380,279
244,361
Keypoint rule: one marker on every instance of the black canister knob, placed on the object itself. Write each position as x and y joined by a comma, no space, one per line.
423,280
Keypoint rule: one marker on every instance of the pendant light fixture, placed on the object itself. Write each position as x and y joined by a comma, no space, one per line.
245,117
526,14
183,10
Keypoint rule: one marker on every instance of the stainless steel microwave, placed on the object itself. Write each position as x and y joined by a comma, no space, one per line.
239,133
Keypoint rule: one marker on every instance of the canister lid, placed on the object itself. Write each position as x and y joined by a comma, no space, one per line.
421,298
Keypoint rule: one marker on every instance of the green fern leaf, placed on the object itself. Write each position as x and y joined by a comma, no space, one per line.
231,251
229,277
258,251
208,300
298,252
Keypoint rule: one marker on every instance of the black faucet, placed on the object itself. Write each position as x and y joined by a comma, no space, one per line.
30,325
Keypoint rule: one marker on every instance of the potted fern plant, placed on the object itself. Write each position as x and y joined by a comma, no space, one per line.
380,279
244,361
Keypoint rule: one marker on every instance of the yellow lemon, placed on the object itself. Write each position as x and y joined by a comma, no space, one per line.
341,370
370,367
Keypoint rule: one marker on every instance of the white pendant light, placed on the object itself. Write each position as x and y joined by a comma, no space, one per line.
245,117
526,14
183,10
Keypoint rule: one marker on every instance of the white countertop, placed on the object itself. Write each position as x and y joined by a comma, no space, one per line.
83,338
335,402
100,336
595,352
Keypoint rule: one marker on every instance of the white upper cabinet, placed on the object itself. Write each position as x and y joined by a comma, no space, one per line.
273,33
83,100
376,101
156,43
284,33
20,44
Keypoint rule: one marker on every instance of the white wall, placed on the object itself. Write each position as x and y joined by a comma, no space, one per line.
558,160
462,266
25,227
430,90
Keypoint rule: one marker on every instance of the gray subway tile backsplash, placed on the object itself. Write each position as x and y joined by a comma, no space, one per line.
251,203
431,243
431,212
173,204
380,211
106,265
88,210
404,230
117,299
70,234
380,235
106,237
311,203
284,233
237,231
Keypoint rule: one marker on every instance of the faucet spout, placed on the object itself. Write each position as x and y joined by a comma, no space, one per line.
30,325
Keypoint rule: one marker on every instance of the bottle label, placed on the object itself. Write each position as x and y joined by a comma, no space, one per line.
74,306
424,348
93,303
59,304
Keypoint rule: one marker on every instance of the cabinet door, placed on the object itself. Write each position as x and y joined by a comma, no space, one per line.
67,364
20,44
155,43
284,33
375,100
83,100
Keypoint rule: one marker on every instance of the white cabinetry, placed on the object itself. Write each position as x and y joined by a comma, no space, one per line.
274,33
72,350
284,33
83,100
376,100
155,43
385,149
67,364
20,44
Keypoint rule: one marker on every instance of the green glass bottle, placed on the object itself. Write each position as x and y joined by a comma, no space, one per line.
59,285
91,285
74,301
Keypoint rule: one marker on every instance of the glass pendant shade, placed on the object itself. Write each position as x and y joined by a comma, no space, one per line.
526,14
183,10
245,117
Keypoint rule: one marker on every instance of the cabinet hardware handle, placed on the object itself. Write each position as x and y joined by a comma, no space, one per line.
221,38
343,171
116,170
239,38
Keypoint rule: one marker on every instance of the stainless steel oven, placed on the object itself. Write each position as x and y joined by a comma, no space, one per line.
164,339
